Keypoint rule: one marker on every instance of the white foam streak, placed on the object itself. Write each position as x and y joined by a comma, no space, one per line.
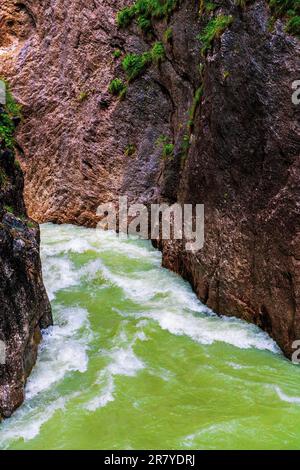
26,422
286,398
122,361
63,351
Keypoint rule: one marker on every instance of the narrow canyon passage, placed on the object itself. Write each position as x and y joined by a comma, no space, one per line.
134,360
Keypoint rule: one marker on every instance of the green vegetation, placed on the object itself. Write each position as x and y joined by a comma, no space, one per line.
17,164
117,53
145,11
293,26
289,9
117,88
130,150
11,110
168,151
185,146
9,209
210,6
285,7
3,177
157,52
241,3
196,101
206,6
83,95
30,224
168,35
213,30
135,64
167,147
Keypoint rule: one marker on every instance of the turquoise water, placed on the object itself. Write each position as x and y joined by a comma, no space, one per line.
135,361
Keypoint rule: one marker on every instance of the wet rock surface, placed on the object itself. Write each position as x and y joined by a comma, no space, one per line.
25,308
242,157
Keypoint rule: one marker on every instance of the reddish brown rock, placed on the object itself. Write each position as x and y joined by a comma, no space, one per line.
243,160
25,308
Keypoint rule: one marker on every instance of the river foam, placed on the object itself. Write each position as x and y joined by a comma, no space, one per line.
108,322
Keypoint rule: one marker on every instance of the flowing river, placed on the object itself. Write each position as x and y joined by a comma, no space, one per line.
136,361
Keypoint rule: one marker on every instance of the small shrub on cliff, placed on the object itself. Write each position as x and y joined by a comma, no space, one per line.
241,3
117,88
290,10
83,95
8,114
167,147
145,11
130,150
185,146
293,26
3,177
125,17
135,64
283,7
168,35
117,53
9,209
213,30
168,151
157,52
196,101
206,6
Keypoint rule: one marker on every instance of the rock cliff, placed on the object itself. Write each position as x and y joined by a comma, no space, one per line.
212,82
25,308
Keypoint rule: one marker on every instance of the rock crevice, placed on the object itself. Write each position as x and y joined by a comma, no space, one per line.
239,156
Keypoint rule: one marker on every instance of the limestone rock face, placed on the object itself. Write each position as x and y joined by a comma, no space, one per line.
241,150
25,308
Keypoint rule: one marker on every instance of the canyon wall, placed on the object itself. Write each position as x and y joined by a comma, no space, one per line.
226,115
25,308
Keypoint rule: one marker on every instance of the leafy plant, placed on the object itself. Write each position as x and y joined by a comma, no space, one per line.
206,6
130,150
168,151
9,112
125,17
117,53
293,26
167,147
83,95
168,35
185,146
117,88
210,6
135,64
289,9
213,30
9,209
157,52
196,102
3,177
145,11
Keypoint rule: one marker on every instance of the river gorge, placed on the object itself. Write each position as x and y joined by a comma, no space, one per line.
125,343
136,361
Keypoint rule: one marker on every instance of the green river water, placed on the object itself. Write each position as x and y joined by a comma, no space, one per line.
135,361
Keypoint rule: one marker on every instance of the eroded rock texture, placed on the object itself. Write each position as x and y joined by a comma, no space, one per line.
243,155
25,308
